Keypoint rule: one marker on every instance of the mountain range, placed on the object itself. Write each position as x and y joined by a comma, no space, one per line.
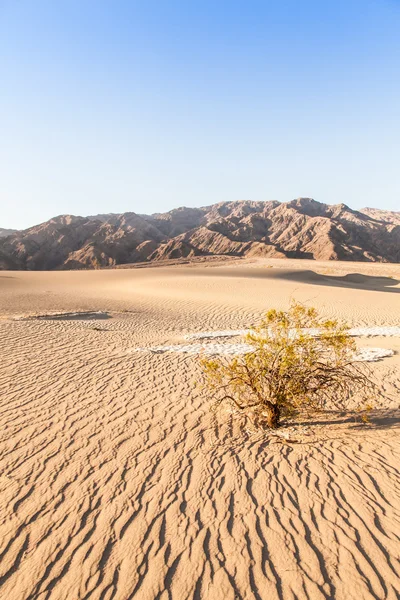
302,228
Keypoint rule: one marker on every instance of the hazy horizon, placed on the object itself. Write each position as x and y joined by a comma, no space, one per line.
146,107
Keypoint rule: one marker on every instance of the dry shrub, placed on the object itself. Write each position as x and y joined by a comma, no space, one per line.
298,361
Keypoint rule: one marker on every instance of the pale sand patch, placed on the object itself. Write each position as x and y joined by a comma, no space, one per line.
118,482
363,355
353,331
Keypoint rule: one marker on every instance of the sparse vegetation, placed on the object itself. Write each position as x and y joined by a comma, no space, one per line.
298,361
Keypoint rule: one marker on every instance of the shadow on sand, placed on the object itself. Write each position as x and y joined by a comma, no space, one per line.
378,419
353,280
73,316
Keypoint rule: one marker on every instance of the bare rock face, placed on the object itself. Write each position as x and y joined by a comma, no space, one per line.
385,216
7,263
302,228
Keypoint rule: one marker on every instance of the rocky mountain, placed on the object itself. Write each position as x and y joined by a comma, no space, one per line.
389,216
302,228
6,232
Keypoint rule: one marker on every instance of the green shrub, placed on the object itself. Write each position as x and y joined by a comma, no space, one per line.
297,361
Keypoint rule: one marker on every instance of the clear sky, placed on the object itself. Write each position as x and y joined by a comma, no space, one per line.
111,106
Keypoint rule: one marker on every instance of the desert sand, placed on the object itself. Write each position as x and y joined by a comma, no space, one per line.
116,480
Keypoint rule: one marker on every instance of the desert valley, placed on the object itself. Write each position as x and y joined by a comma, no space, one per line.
119,481
200,300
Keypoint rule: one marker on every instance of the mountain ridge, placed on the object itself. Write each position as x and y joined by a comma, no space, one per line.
301,228
6,232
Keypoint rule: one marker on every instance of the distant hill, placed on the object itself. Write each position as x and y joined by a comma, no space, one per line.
6,232
390,216
302,228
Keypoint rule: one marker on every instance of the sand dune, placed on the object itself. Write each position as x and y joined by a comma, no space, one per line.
116,480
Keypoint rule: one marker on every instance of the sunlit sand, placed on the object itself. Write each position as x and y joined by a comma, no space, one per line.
119,481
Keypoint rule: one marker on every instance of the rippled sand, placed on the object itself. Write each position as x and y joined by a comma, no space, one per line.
116,481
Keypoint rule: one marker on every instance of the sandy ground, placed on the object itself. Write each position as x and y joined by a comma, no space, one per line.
115,480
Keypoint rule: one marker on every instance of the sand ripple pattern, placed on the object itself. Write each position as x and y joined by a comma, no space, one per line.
116,484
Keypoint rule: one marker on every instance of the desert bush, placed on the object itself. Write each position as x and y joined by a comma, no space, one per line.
296,361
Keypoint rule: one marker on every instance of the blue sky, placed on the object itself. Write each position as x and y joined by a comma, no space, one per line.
111,106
